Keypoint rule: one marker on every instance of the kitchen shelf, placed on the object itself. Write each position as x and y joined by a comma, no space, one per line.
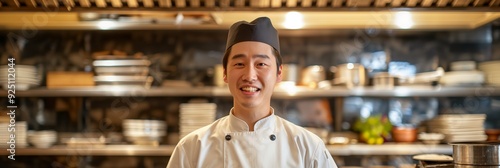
104,150
112,92
296,92
166,150
389,149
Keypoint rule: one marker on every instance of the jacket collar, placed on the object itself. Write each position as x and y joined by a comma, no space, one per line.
238,125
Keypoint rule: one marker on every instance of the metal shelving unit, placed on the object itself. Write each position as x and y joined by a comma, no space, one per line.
98,150
166,150
112,92
389,149
298,92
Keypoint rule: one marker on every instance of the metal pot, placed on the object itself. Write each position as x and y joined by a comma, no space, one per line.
312,75
350,75
290,72
384,80
476,153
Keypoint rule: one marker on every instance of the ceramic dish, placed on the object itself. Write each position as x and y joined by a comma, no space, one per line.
433,157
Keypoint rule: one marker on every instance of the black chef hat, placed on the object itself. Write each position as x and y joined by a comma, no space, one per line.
260,29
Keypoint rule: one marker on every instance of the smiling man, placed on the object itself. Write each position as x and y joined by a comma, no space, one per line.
251,135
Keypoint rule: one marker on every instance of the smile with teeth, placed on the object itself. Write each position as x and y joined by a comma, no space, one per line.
250,89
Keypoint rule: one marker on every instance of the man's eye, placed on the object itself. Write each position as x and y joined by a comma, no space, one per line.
238,64
261,64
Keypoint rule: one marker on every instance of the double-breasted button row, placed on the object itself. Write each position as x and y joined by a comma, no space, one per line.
272,137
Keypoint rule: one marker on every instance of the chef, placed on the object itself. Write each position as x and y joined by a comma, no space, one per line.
251,135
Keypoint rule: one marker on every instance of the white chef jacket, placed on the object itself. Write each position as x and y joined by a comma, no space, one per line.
274,143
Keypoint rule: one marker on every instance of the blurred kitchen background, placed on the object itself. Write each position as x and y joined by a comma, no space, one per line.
123,98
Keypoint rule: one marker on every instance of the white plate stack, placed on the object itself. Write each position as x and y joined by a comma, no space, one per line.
20,134
26,76
463,73
42,139
459,127
144,132
195,115
491,70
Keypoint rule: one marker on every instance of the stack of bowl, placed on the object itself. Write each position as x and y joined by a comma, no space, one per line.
24,76
122,71
19,134
42,139
144,132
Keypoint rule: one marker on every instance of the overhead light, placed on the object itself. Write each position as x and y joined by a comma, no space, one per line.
89,16
179,18
293,20
106,24
121,20
403,20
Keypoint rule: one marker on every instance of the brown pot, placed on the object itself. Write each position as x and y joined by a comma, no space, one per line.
404,134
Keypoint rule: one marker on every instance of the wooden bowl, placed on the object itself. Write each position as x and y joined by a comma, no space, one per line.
492,134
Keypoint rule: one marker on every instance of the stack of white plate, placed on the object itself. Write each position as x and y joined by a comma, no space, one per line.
462,78
20,134
491,70
26,76
463,73
195,115
142,132
459,127
42,139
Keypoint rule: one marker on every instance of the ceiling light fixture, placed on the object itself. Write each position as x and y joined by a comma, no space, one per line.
293,20
106,24
403,20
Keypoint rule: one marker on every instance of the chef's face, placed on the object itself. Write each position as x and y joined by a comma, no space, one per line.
252,73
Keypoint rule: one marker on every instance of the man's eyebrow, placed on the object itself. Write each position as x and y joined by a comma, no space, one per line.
238,56
261,56
254,56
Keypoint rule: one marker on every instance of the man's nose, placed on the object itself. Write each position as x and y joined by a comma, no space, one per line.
250,74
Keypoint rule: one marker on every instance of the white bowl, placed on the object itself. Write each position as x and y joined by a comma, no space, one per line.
431,138
463,66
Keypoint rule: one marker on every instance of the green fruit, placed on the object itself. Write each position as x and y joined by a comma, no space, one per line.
365,134
372,121
373,129
374,132
379,140
371,141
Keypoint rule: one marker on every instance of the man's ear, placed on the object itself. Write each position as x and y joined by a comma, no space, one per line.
280,71
225,75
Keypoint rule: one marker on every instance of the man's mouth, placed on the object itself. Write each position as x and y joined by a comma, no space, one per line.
250,89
